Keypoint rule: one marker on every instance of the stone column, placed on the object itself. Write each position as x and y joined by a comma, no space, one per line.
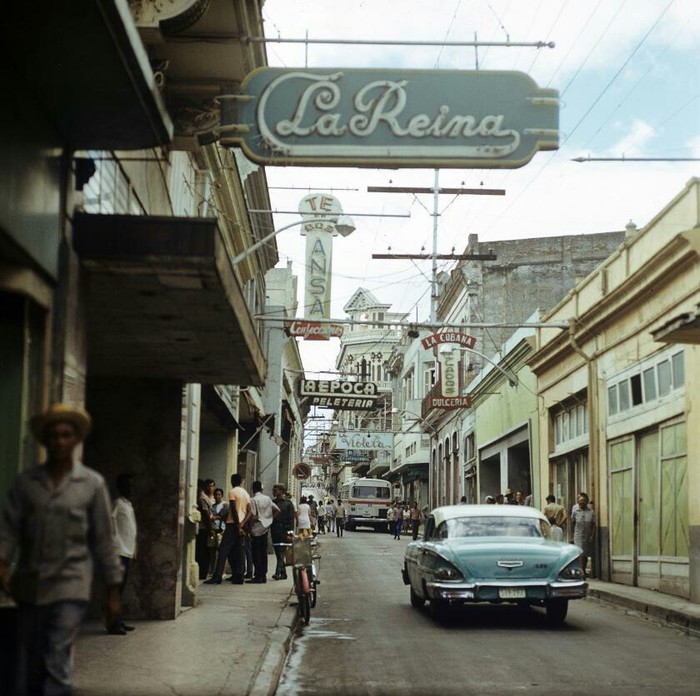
137,429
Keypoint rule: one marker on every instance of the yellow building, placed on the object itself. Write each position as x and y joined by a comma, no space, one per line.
617,411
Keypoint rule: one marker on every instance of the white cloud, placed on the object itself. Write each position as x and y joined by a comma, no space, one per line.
633,143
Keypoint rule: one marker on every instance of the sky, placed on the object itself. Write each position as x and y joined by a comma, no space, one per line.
627,76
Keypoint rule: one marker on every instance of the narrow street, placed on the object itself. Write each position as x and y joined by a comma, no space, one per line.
364,638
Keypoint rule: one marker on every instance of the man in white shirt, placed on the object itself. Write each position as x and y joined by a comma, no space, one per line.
263,511
125,536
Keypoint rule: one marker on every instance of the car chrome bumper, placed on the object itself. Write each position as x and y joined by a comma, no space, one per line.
489,592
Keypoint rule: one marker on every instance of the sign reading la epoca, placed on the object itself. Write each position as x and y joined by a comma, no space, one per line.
407,118
339,394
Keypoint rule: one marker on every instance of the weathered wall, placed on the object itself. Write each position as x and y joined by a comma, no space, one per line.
137,426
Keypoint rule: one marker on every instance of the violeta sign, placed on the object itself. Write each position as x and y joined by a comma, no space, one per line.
401,118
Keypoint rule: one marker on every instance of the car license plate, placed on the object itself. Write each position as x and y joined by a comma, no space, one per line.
511,592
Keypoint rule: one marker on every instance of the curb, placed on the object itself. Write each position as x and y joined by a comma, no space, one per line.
269,669
669,617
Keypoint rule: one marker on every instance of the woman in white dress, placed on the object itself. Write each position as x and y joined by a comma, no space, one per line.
304,518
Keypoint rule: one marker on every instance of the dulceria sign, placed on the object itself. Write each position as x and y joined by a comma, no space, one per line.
409,118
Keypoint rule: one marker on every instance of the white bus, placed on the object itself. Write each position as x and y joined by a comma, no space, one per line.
367,501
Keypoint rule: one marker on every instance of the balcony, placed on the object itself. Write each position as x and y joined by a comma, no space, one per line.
165,302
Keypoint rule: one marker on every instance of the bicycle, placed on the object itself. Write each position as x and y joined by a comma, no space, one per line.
301,555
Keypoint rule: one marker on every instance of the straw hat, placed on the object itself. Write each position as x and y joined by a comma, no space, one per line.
61,413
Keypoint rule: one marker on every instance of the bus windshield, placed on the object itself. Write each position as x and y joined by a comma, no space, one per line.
370,492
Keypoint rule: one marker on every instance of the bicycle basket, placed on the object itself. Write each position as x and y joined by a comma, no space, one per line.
301,552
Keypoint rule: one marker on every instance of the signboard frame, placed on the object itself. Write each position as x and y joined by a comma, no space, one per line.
390,118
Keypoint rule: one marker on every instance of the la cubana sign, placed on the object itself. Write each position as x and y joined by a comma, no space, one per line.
401,118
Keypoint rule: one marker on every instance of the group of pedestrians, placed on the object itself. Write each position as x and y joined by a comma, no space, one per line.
507,498
582,527
246,521
404,517
315,517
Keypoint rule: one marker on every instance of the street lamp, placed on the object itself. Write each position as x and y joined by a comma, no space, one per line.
344,226
512,379
416,418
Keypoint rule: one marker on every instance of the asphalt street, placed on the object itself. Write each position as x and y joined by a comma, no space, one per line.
365,638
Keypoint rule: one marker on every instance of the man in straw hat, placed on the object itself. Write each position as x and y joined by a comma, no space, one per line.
57,521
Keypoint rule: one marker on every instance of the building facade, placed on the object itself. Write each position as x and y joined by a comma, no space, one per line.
365,349
490,299
617,416
120,217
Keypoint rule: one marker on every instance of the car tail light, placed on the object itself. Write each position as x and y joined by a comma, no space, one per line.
444,570
571,572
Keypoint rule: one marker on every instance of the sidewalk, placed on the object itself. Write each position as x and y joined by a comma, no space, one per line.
671,611
233,642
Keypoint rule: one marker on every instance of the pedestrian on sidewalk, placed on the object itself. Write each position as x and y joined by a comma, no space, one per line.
313,513
125,529
205,500
232,543
398,519
556,514
330,516
415,517
219,511
583,521
340,516
304,517
282,527
58,519
263,511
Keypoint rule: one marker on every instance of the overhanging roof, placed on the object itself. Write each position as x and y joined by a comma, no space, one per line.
684,328
86,65
164,301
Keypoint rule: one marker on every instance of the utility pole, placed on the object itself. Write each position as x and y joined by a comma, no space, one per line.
434,256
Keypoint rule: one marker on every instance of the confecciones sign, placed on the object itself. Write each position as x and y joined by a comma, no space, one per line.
404,118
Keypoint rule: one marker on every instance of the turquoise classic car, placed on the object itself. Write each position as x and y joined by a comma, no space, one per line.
492,553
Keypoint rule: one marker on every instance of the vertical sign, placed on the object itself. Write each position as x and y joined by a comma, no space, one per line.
319,253
449,372
319,257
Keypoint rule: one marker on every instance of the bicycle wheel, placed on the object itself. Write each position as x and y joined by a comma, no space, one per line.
304,609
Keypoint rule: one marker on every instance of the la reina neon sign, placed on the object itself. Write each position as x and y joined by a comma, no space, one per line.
477,119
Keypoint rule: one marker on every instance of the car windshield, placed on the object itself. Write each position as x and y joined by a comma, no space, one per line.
495,526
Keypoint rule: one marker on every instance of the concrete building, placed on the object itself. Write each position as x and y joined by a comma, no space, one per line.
119,219
490,298
282,439
617,401
412,369
501,436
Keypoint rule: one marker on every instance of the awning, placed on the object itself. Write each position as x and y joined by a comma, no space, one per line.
377,469
408,471
164,301
86,65
218,414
